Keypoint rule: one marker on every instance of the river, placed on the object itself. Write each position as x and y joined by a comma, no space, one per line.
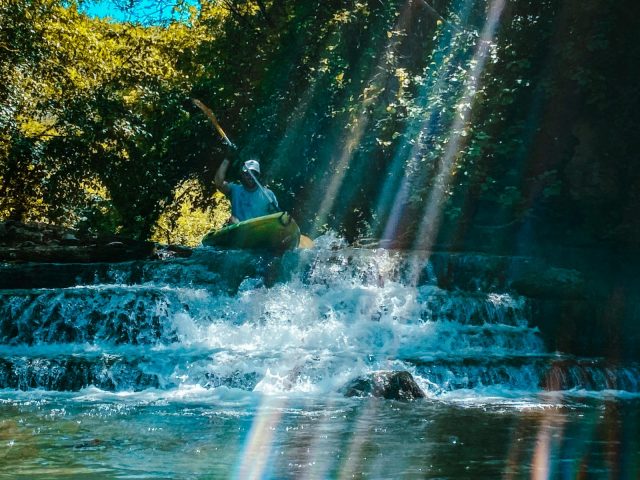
235,365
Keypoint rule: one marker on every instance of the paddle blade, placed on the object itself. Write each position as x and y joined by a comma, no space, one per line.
212,118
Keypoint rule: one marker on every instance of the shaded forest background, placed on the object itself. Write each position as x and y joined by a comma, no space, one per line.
503,125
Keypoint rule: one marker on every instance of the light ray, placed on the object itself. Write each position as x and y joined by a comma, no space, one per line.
255,458
259,443
350,464
432,216
548,438
299,114
359,125
358,439
410,163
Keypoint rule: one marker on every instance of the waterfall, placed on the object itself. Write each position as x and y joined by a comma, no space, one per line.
306,322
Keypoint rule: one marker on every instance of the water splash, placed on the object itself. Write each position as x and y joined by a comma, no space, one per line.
305,323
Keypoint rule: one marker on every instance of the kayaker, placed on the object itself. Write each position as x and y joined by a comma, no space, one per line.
249,199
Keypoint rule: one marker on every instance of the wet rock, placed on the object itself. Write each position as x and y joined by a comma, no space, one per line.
69,239
44,275
89,444
389,385
164,252
109,373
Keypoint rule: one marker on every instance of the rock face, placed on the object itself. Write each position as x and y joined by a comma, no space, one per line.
388,385
51,244
550,283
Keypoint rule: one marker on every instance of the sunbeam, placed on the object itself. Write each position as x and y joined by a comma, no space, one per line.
430,222
359,125
466,307
418,131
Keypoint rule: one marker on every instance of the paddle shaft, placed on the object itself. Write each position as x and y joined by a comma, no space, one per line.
262,189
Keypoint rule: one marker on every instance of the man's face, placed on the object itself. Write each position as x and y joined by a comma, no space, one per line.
247,180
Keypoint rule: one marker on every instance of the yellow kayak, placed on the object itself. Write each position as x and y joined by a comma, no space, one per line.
278,231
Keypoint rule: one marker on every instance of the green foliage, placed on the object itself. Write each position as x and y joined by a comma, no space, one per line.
183,222
90,99
367,115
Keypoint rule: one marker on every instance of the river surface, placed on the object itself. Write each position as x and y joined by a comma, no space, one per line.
235,365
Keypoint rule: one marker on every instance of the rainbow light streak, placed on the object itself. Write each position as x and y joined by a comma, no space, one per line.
340,170
399,202
258,446
257,450
293,124
358,128
298,115
547,442
422,131
431,218
318,458
402,193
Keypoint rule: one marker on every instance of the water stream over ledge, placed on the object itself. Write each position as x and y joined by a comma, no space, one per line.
234,365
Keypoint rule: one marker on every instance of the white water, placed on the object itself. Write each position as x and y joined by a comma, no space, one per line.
196,329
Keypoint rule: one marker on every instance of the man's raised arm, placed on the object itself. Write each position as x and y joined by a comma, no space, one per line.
219,179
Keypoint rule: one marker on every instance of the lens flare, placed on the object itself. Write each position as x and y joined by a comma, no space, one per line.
254,460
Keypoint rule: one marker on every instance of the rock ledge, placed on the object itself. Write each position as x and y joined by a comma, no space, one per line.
42,243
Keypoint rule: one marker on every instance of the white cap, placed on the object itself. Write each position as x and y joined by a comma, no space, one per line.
251,165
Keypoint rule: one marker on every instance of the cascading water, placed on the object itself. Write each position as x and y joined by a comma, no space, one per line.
305,322
235,331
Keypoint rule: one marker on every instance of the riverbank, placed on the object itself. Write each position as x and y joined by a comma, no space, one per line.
43,243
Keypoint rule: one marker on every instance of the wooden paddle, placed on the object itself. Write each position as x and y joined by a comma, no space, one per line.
305,242
209,113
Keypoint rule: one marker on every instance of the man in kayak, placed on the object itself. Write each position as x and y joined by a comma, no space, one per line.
249,199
